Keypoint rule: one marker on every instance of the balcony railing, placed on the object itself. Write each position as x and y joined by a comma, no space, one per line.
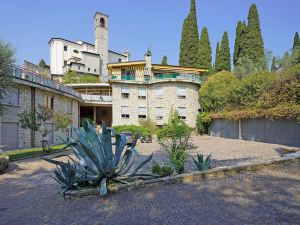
157,77
98,98
44,81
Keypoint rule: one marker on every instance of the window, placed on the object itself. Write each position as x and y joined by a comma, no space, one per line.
119,60
95,70
65,63
49,102
159,92
11,97
69,107
142,112
102,22
89,69
125,112
65,48
128,72
125,92
181,92
142,93
76,51
78,67
159,113
182,112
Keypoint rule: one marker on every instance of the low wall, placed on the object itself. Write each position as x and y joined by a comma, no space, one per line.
283,131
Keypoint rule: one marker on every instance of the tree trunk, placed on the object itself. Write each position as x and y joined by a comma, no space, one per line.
45,144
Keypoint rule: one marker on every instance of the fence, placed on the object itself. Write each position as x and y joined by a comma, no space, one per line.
283,131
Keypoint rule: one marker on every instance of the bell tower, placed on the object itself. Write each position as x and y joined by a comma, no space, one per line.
101,41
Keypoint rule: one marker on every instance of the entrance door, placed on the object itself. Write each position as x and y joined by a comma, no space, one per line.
10,135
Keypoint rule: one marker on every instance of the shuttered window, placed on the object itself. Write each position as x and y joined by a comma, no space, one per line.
182,112
159,113
125,112
142,93
142,111
159,92
11,97
125,92
181,92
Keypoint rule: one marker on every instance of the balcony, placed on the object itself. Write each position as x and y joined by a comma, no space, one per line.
96,98
158,77
35,78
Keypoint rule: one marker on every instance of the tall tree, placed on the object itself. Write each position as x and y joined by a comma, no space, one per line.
204,52
239,40
189,39
42,63
224,54
296,40
217,57
7,54
253,45
273,66
164,60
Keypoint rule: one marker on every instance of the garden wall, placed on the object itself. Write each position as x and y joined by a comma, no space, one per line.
283,131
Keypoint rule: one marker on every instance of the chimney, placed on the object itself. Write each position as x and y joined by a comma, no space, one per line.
148,60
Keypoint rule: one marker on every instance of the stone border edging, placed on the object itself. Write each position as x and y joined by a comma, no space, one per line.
187,177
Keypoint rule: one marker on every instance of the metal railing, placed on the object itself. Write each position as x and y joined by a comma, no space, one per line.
33,77
98,98
157,77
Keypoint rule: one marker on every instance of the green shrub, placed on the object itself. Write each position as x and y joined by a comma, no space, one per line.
149,124
174,139
203,122
137,130
161,170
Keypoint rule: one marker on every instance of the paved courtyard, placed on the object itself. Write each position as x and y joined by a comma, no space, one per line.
269,196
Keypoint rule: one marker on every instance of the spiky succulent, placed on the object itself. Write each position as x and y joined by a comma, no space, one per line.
201,163
97,163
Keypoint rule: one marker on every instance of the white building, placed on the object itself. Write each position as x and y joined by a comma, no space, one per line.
84,57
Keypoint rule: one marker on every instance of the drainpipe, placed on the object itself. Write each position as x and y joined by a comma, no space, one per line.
32,134
240,129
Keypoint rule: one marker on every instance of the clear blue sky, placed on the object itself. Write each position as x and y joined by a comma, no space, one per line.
139,24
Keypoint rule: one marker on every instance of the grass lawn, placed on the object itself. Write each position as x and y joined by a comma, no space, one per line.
24,153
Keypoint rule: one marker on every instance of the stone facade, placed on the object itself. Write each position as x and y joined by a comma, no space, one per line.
168,102
26,96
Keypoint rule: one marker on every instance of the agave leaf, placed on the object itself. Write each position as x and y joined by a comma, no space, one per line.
103,187
107,146
142,164
125,160
127,169
120,144
120,181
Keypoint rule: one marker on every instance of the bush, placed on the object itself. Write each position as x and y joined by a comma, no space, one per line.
149,124
4,161
215,92
137,130
161,170
203,123
174,139
72,77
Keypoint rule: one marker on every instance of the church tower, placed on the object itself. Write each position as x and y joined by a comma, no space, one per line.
101,41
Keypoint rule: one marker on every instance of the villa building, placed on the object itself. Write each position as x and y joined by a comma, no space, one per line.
84,57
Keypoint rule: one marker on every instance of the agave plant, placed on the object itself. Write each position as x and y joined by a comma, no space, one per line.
97,163
201,163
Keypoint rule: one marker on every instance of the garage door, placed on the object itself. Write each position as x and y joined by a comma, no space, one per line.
10,135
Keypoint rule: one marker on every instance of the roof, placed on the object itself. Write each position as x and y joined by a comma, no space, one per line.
174,67
131,63
101,14
83,42
90,85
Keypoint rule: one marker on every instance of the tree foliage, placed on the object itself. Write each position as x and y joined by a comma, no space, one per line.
217,58
253,44
6,60
215,92
189,39
296,41
239,40
42,63
204,52
224,55
164,60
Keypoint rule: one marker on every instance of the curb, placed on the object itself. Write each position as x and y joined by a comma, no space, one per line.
188,177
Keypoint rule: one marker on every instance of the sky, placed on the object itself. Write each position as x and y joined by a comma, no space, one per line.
139,24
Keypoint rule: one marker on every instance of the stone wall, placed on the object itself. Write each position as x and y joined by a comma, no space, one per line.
168,102
10,114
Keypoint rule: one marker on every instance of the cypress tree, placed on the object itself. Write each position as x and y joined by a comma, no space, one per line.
189,39
164,60
204,52
273,66
224,54
296,40
42,63
217,57
239,41
253,44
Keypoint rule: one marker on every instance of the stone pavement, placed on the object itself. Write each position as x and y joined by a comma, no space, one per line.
269,196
